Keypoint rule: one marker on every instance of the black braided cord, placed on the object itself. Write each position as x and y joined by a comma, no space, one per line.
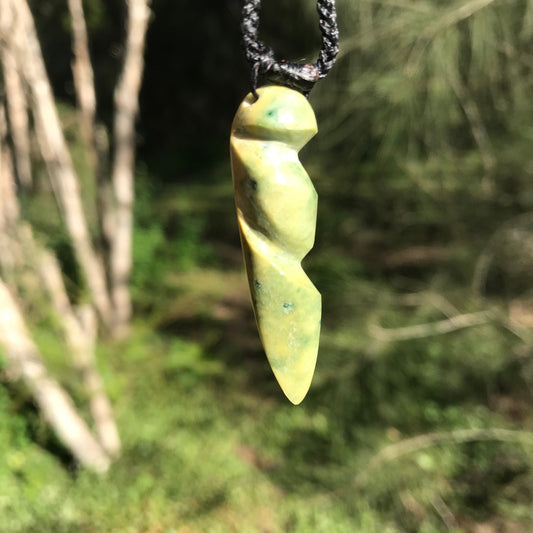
295,75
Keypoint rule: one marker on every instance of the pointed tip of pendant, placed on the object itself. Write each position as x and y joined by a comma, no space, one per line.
295,386
296,400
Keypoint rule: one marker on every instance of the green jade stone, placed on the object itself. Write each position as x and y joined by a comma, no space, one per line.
276,208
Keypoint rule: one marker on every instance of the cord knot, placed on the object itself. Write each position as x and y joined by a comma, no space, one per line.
264,65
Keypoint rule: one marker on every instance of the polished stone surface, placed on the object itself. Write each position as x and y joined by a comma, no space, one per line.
276,207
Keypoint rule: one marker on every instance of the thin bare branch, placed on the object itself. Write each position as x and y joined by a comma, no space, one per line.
444,512
455,15
430,329
408,5
428,440
477,127
436,300
451,17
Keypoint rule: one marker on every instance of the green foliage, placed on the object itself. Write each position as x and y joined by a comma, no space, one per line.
428,76
190,248
207,449
163,243
147,242
423,174
95,14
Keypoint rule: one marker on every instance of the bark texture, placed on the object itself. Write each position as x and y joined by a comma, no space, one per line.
9,210
83,73
21,252
126,103
18,116
80,330
18,30
95,137
28,93
24,360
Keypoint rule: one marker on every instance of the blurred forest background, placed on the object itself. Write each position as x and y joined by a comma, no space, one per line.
419,417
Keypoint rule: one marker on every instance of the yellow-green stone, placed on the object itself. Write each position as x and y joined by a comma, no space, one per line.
276,207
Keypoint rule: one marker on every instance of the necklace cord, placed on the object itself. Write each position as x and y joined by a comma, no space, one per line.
294,75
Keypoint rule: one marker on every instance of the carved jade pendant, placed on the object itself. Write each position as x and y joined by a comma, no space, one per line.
276,208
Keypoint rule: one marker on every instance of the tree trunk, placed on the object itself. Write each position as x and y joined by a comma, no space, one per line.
24,360
9,209
27,85
18,117
80,333
95,138
126,102
20,250
20,33
83,75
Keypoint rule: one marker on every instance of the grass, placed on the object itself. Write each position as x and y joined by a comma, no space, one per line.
210,443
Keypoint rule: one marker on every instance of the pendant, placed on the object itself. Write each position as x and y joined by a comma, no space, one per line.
276,209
